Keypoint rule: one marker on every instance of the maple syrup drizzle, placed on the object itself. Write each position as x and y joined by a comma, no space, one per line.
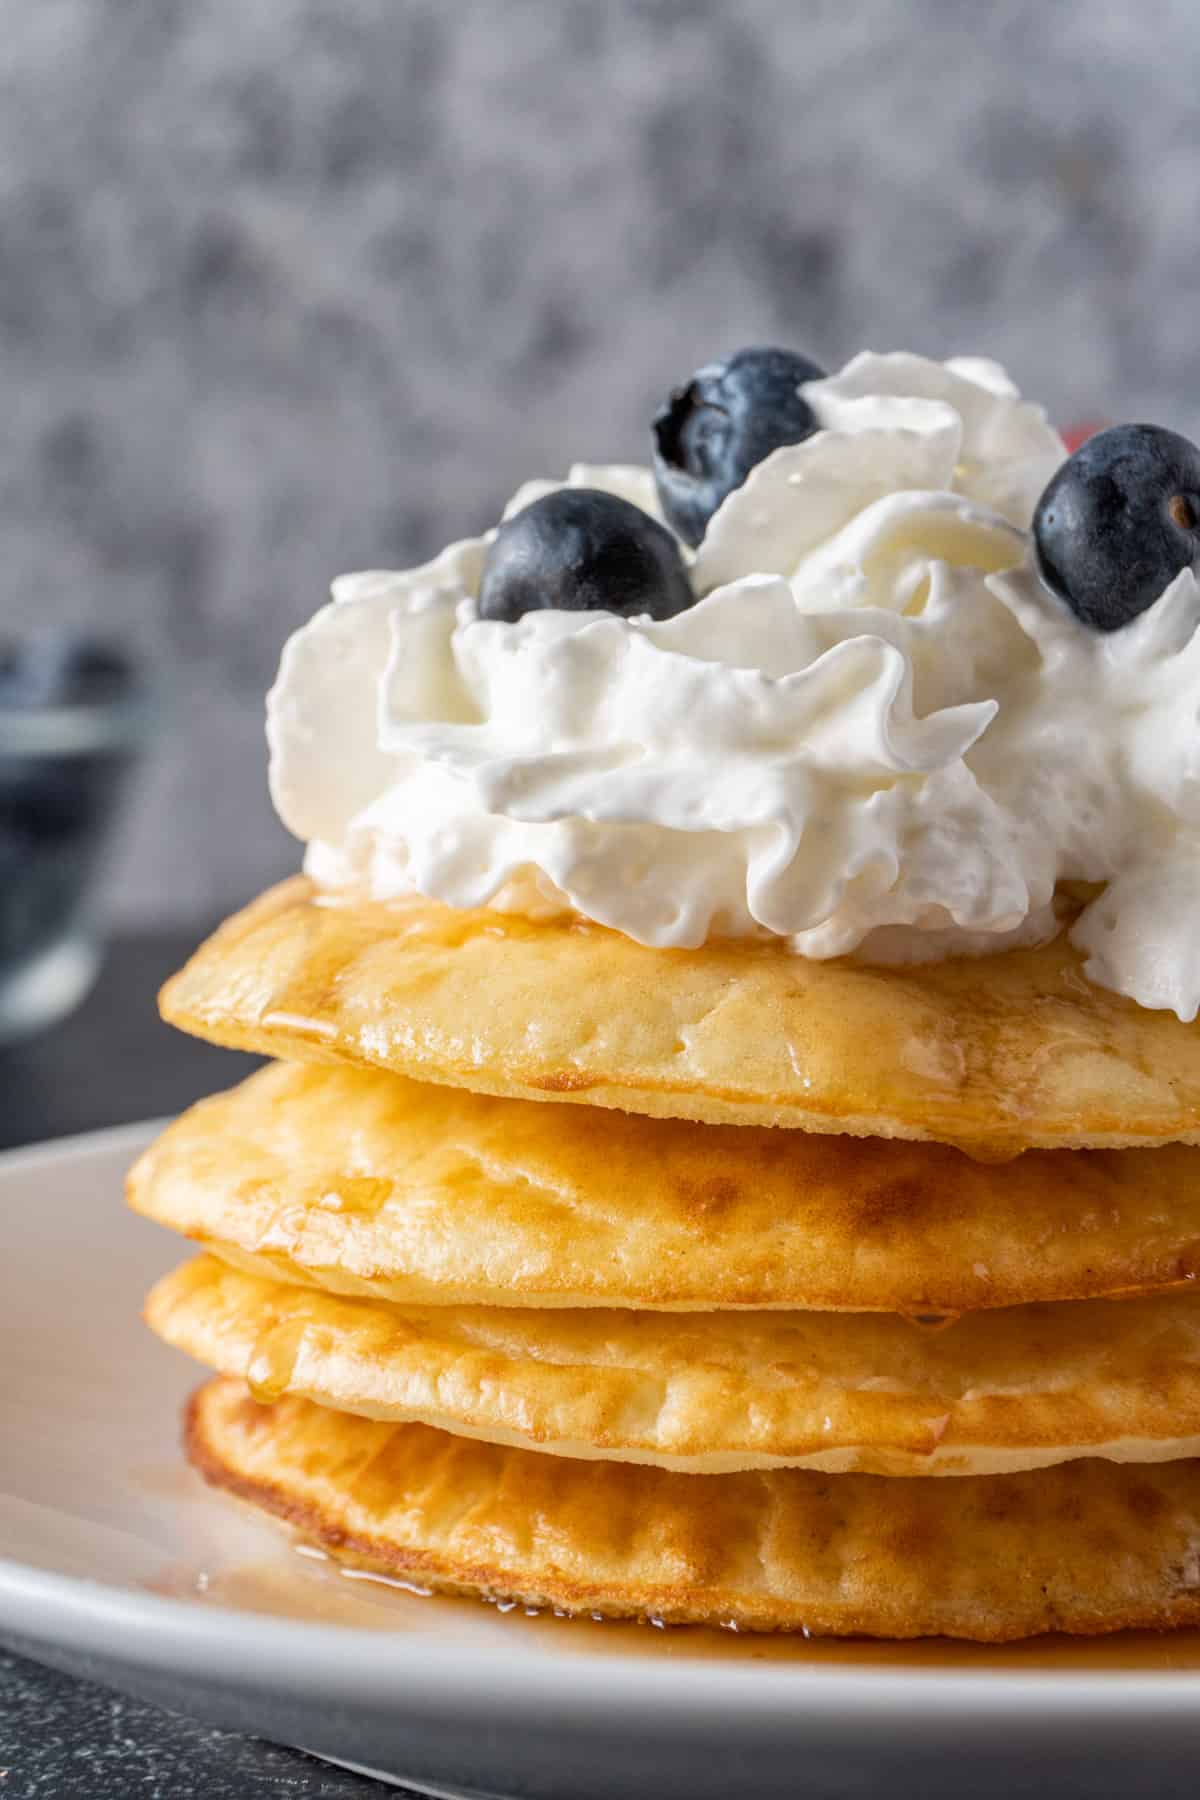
273,1360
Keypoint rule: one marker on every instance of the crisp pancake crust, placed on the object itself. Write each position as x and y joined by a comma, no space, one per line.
714,1392
365,1183
1084,1548
1015,1051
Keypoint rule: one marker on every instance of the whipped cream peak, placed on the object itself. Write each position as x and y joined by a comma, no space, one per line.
876,731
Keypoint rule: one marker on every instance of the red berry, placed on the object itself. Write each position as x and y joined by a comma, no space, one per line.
1074,435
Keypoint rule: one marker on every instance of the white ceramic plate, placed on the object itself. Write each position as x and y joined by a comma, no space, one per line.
120,1565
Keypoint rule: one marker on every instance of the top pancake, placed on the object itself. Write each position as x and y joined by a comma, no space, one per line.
995,1055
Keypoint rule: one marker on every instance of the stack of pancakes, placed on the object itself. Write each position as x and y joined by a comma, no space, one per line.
706,1285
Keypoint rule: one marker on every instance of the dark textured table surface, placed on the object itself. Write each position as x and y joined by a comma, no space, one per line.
62,1739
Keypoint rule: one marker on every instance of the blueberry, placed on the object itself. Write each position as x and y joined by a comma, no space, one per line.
61,669
1118,522
727,418
582,550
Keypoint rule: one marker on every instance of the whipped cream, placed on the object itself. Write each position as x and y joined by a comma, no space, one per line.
875,732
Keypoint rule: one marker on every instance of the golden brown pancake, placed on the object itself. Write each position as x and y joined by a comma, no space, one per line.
998,1055
1086,1547
714,1392
365,1183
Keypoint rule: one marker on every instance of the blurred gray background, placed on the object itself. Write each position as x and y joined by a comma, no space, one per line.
294,286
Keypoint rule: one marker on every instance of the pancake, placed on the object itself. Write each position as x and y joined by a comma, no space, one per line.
712,1392
999,1055
365,1183
1084,1548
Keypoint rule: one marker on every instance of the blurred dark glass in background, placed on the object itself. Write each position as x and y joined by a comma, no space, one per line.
74,715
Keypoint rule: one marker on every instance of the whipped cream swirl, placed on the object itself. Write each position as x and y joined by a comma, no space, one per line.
875,732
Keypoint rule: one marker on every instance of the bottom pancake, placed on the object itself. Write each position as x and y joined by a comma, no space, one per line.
1086,1547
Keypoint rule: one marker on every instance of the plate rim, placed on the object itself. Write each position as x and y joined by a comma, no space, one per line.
201,1641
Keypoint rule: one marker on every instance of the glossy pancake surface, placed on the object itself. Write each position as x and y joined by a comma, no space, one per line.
996,1054
365,1183
1086,1547
714,1392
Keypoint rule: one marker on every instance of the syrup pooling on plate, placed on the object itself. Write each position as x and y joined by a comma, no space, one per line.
319,1591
